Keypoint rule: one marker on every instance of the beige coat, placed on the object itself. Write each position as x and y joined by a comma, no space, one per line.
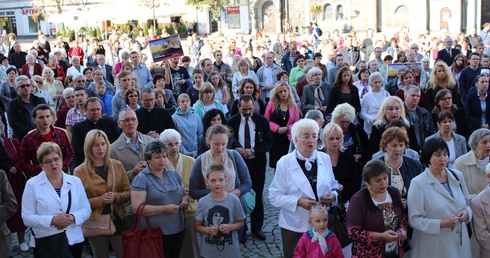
8,207
473,173
480,205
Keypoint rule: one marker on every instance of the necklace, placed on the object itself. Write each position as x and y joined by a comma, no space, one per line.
284,113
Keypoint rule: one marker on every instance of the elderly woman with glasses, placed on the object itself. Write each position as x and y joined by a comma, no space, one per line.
316,95
303,178
37,83
55,206
69,97
76,67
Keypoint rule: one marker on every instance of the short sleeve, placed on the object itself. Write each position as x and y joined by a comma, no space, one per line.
239,214
199,215
140,183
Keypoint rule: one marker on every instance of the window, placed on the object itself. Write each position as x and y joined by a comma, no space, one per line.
327,12
340,12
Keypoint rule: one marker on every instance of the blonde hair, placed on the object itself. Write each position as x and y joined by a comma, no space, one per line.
88,164
277,100
382,110
449,80
328,130
206,87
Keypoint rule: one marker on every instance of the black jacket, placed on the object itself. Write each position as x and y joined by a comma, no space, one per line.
158,119
20,119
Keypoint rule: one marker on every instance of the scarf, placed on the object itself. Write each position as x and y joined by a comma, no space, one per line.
307,160
207,160
321,239
318,95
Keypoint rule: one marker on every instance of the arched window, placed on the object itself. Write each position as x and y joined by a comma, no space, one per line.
402,14
327,12
340,13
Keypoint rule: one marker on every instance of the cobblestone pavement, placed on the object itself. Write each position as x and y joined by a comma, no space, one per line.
271,247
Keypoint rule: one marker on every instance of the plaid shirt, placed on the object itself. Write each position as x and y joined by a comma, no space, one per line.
74,116
32,141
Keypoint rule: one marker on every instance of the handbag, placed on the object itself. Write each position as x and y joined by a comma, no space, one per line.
248,199
105,225
145,243
46,247
337,222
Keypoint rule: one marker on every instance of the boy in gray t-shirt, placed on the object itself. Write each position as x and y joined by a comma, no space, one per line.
219,216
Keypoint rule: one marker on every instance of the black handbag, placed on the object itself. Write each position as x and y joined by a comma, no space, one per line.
337,222
54,246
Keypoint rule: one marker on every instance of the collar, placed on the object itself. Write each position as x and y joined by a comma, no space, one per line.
128,140
51,130
242,118
478,93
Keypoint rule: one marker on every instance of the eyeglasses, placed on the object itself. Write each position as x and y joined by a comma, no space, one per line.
39,82
133,96
24,85
307,137
80,81
127,120
49,161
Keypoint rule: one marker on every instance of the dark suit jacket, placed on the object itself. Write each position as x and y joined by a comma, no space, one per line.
263,138
38,70
80,130
474,112
444,55
158,119
108,73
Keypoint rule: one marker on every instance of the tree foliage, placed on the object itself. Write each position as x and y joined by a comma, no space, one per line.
216,6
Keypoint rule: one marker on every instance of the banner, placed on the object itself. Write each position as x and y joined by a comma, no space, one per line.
166,48
392,70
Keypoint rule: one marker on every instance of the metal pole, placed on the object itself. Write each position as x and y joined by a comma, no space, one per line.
154,19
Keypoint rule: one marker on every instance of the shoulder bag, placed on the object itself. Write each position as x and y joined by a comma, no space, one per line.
105,225
248,199
145,243
337,222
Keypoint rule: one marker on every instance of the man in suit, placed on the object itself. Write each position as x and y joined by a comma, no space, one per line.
17,57
448,53
256,141
93,108
107,69
152,120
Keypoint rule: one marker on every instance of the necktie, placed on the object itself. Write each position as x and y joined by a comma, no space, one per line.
247,135
450,55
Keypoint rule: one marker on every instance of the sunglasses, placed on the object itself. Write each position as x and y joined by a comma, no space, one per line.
39,82
24,85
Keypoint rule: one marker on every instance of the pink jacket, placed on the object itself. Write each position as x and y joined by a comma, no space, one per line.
307,249
293,117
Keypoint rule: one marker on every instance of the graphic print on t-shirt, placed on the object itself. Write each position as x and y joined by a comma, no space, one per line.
218,215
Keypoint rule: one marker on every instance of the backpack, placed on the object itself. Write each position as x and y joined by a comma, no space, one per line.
319,31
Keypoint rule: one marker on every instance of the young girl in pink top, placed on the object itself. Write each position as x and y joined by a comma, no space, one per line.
318,242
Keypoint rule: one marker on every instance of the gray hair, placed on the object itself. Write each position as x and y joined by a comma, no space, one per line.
46,69
303,124
425,59
306,70
410,88
33,52
30,55
68,91
315,115
170,134
79,76
75,58
21,78
358,64
155,146
370,62
147,90
476,136
346,110
373,76
124,54
314,71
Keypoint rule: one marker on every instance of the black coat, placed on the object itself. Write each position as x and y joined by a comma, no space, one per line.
474,111
158,119
20,119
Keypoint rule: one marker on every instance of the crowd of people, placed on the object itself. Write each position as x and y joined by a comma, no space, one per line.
91,131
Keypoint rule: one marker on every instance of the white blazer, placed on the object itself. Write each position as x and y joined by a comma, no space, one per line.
428,204
40,203
290,184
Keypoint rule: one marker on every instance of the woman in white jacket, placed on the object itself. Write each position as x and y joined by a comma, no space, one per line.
303,178
55,206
